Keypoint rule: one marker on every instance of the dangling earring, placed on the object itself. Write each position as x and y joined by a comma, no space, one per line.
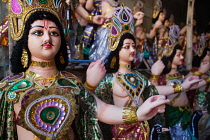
169,64
24,58
62,59
112,64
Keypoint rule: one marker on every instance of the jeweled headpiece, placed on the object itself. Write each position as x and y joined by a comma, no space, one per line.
138,7
172,40
198,49
20,10
122,22
157,8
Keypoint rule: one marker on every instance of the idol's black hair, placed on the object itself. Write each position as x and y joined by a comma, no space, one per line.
155,19
167,61
22,43
115,53
198,59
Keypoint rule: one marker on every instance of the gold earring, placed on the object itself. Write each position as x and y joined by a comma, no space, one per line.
24,58
114,59
62,59
169,64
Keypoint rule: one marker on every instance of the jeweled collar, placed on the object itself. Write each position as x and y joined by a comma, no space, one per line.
128,66
42,64
175,75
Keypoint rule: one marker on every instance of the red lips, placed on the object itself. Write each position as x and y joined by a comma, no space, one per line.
132,54
47,46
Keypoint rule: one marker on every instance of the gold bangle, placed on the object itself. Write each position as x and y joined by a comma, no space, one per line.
89,19
129,115
155,77
198,73
89,86
177,88
207,81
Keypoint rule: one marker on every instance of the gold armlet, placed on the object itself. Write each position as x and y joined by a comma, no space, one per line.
207,81
129,115
89,86
177,88
198,73
89,19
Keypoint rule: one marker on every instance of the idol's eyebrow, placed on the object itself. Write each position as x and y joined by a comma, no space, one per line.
43,26
128,43
37,26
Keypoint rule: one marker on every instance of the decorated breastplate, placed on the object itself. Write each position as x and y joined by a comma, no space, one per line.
174,79
46,111
133,84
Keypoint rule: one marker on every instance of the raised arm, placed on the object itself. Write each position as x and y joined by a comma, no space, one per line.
95,73
188,84
204,67
156,70
89,5
99,19
183,30
111,114
153,32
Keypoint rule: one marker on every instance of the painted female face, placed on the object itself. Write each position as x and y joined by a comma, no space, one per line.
178,58
207,57
128,51
161,16
44,40
166,23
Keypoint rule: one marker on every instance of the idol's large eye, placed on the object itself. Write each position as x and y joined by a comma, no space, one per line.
37,32
126,47
54,33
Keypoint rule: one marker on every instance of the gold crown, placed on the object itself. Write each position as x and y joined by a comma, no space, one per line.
138,7
171,42
20,10
198,49
157,8
122,22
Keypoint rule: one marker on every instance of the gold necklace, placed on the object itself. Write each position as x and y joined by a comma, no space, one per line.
42,64
37,77
173,68
176,75
128,66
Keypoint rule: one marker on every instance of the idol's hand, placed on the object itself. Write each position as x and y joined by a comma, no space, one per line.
190,82
152,106
158,23
204,67
157,67
98,19
95,72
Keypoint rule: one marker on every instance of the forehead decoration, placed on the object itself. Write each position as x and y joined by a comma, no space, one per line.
20,11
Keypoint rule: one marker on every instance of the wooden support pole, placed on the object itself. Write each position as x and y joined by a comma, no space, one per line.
189,54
